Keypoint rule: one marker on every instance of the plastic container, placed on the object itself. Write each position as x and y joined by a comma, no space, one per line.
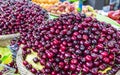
80,5
62,0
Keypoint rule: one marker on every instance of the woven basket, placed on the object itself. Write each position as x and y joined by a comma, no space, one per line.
22,69
5,39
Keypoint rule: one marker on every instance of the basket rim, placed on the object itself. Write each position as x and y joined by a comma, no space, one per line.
9,36
21,68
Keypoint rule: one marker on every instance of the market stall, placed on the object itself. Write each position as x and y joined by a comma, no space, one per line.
52,37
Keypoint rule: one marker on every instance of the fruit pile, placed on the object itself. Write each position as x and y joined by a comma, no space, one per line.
115,15
16,15
46,4
73,44
19,17
69,45
89,11
62,8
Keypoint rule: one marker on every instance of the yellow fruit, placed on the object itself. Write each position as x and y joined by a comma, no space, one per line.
91,9
46,1
46,4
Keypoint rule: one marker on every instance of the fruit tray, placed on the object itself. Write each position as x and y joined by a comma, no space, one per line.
5,39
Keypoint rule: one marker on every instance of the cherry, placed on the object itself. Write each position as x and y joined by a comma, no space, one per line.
63,48
72,67
94,71
33,70
66,67
85,37
61,64
53,73
106,60
104,54
79,52
25,63
47,70
74,61
102,66
67,55
88,58
56,42
89,64
100,46
29,66
95,50
86,52
96,63
86,70
111,44
50,54
28,51
111,56
42,61
82,47
64,43
36,60
86,43
101,40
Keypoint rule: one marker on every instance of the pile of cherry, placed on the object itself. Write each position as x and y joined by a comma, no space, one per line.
19,16
73,44
69,45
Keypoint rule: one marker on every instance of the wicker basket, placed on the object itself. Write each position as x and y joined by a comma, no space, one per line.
22,69
118,73
5,39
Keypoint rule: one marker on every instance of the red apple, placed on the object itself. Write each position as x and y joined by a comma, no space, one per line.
115,16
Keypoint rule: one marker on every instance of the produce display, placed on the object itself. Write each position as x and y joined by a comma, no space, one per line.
62,8
46,4
15,16
89,11
106,19
18,17
66,7
115,15
74,44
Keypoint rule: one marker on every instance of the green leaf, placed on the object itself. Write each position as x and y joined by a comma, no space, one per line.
53,16
5,57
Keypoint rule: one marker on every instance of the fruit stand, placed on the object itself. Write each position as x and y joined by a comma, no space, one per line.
53,37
